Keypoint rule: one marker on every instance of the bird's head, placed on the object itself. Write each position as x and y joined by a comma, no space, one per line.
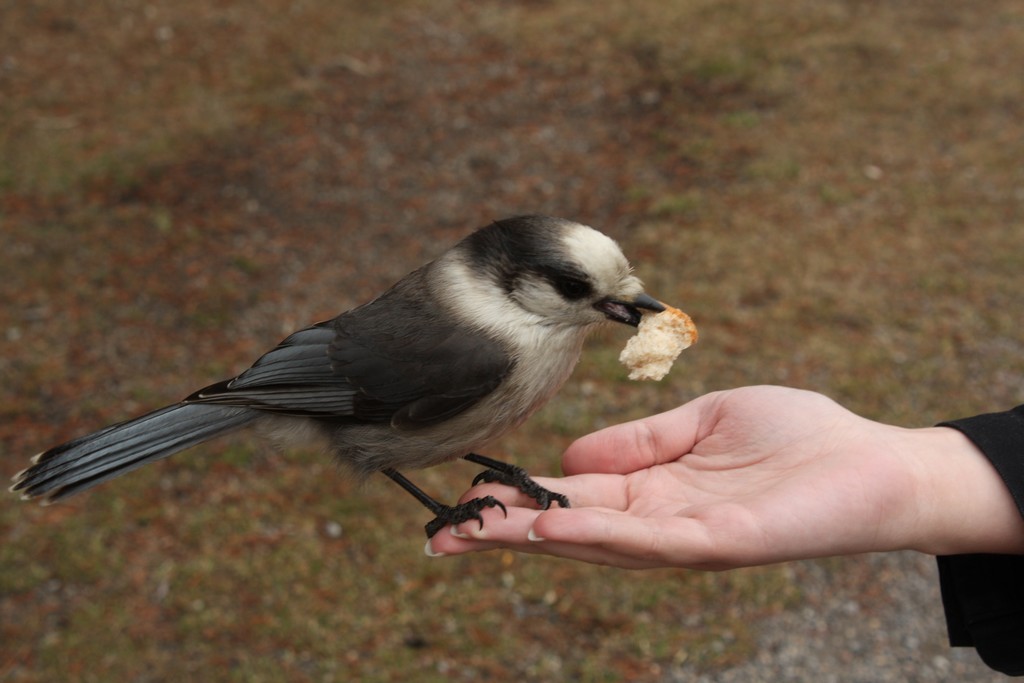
546,271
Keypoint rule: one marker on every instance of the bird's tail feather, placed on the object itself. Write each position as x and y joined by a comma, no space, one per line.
86,461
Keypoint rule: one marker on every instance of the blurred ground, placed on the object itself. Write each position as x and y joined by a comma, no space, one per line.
832,189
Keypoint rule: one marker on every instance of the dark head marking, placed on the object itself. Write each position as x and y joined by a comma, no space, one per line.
510,249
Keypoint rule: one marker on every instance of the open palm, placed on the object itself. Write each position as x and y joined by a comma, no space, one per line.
743,477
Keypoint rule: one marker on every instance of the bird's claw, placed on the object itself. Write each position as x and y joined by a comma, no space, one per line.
518,478
463,512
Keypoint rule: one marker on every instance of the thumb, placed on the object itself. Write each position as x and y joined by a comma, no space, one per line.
643,443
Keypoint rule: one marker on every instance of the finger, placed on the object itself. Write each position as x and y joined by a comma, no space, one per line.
514,533
497,530
585,490
611,536
603,537
583,553
510,518
642,443
567,551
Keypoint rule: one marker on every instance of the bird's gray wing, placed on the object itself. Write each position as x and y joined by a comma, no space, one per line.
398,359
294,378
413,364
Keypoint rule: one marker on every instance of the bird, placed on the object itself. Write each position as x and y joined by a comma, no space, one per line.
452,356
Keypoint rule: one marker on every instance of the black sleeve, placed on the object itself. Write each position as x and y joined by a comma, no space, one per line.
983,595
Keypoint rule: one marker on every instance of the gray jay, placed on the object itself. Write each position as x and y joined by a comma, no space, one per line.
451,357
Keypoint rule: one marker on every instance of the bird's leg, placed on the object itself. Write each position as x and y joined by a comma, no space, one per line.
517,477
445,514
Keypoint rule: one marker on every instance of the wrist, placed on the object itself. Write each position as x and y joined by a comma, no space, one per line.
963,505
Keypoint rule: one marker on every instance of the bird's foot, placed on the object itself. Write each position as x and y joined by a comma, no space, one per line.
516,477
463,512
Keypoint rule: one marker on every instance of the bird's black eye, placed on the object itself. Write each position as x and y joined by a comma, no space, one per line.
572,288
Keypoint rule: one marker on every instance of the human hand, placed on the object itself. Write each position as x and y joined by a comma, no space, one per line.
754,476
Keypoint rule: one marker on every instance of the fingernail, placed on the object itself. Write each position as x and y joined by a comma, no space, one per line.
430,552
531,535
454,530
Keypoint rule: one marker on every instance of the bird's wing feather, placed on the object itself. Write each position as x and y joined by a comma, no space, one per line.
411,363
299,359
398,359
294,378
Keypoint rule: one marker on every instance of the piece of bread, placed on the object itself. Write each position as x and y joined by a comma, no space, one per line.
659,340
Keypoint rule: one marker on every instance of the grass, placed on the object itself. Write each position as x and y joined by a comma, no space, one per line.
832,193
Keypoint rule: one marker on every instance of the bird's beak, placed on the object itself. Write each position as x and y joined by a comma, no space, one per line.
628,312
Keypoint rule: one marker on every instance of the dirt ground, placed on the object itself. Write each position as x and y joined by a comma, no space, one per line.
833,190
